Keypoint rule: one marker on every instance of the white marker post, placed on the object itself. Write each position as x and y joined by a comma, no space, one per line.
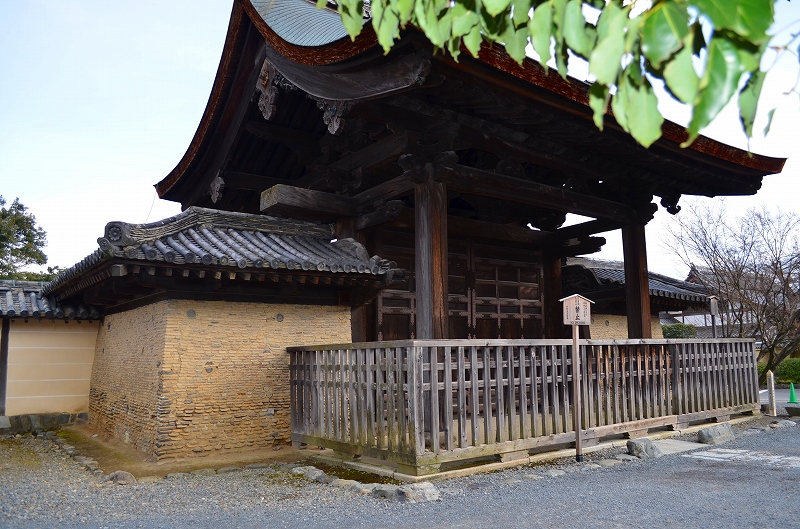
576,312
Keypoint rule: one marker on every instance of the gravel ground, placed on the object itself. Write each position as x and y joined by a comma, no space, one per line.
42,487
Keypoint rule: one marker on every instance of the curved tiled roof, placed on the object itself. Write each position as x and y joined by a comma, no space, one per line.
613,273
24,299
239,241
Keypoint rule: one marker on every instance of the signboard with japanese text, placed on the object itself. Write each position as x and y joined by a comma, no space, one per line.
577,310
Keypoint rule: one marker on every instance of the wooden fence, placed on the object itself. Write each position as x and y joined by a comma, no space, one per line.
424,403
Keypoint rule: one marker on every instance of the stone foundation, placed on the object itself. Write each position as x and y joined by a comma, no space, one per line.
180,379
39,422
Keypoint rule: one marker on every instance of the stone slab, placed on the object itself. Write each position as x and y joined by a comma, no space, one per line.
675,446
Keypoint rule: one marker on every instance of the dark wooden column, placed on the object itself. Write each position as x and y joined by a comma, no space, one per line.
4,335
637,287
345,229
553,324
430,259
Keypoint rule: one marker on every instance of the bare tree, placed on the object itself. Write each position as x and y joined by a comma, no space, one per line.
752,263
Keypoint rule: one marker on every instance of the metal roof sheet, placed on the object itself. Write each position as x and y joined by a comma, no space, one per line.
300,22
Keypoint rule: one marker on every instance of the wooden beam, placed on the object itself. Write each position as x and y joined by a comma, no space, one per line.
480,229
430,259
389,211
637,287
381,152
587,228
249,181
489,231
394,188
232,119
486,183
574,247
296,140
282,199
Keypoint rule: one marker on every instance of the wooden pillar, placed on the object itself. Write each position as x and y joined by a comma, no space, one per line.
4,335
345,229
430,259
637,285
553,321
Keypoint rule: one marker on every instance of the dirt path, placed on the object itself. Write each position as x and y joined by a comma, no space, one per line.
112,455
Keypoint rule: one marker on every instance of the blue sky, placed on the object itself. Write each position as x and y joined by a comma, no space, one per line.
99,101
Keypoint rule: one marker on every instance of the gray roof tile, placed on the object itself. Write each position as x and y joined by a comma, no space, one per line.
234,240
613,273
24,299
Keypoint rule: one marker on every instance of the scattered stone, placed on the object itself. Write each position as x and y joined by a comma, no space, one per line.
120,477
643,448
626,457
531,476
313,473
151,479
87,462
325,478
363,488
609,462
228,470
591,466
257,465
299,471
204,472
344,483
783,423
554,473
753,431
716,435
418,492
385,491
178,475
286,467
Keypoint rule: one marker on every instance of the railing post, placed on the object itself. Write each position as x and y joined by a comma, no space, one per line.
416,397
677,389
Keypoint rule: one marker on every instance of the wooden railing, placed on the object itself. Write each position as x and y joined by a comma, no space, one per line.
422,403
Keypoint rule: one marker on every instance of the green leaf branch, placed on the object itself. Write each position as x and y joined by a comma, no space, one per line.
626,48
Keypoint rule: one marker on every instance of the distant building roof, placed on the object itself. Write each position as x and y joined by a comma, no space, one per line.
24,299
605,278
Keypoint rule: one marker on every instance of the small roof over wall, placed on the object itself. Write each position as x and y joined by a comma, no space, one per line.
202,252
24,299
604,282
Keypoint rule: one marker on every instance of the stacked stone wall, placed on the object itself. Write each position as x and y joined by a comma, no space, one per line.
218,381
123,399
615,327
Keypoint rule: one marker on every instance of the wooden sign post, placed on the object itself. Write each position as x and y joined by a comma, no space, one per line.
576,312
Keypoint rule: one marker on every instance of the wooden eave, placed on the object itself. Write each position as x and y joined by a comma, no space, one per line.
227,129
115,282
241,48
